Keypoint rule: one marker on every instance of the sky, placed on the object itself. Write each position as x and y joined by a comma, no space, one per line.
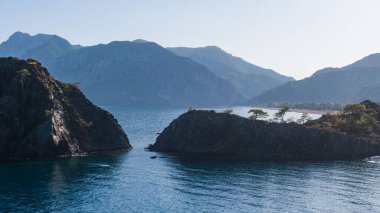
293,37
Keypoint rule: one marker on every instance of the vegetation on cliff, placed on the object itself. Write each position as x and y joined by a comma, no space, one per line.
362,119
351,134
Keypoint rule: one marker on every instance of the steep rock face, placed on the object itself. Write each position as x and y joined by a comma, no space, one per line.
42,117
207,132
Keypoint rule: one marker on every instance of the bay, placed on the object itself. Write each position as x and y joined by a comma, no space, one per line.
133,182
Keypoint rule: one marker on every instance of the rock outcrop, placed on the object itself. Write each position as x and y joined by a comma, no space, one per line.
207,132
42,117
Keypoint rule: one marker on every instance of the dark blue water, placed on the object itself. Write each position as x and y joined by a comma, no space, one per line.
133,182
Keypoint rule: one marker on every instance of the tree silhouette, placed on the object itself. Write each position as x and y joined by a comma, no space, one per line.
281,113
304,118
257,113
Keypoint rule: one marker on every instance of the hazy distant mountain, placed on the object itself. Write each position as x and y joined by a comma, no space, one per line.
248,79
141,73
140,41
356,82
372,60
125,73
326,70
41,46
368,93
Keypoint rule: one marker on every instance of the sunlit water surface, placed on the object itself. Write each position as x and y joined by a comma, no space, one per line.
133,182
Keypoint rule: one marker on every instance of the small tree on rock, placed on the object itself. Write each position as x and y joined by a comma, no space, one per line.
257,113
191,109
304,118
281,113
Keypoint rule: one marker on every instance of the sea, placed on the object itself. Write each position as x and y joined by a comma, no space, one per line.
134,182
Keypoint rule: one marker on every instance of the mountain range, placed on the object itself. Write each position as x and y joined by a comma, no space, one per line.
353,83
41,46
248,79
143,73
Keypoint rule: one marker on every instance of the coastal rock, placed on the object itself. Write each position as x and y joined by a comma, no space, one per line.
42,117
207,132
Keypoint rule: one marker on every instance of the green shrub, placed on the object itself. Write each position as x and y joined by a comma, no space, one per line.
67,86
48,113
50,88
24,73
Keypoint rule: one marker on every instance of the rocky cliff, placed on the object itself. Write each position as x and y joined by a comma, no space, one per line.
207,132
42,117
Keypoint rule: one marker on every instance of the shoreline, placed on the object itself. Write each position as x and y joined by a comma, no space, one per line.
308,111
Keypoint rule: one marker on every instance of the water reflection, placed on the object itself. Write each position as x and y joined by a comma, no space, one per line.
133,182
49,185
276,186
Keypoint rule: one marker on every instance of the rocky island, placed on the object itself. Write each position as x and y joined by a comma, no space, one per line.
352,134
42,117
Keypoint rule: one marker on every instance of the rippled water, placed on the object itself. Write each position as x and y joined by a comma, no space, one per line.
133,182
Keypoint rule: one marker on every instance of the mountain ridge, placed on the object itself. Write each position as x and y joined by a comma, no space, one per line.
330,85
101,69
247,78
43,47
145,64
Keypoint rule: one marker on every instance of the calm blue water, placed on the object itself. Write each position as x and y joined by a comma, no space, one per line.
132,182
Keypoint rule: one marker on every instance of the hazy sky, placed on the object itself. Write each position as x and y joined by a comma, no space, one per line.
293,37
